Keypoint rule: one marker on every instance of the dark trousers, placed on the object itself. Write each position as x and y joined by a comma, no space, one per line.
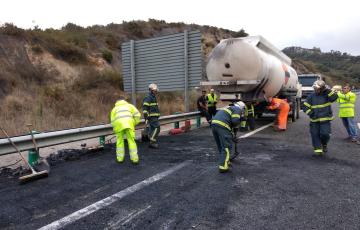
154,129
250,122
205,113
212,111
320,134
223,138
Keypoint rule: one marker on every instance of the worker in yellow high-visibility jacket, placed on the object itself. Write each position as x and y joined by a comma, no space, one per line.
124,118
211,102
346,100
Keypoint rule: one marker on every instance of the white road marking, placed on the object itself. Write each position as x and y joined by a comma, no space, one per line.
255,131
128,218
359,125
136,214
111,199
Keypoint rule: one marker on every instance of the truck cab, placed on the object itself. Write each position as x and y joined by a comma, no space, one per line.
307,80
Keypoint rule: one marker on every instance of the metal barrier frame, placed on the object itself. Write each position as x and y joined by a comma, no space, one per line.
71,135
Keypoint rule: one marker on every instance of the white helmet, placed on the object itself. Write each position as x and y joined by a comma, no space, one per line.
240,104
153,87
319,84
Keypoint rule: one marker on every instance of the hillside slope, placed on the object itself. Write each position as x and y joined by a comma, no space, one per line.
337,67
71,77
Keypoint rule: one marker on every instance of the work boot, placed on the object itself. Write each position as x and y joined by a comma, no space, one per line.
119,161
355,141
154,145
325,149
222,169
318,153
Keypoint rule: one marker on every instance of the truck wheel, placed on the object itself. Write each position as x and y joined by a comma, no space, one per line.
298,108
293,111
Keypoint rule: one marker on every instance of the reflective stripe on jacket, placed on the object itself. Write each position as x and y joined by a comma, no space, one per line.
228,117
211,100
318,106
150,106
346,104
249,112
124,116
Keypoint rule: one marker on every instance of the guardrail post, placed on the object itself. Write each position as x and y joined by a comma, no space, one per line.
198,122
33,155
102,140
177,124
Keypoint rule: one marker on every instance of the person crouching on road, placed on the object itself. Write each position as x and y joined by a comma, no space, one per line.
124,118
224,126
151,115
318,107
282,114
346,100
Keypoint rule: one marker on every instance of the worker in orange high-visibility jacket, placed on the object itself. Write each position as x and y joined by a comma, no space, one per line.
282,115
124,118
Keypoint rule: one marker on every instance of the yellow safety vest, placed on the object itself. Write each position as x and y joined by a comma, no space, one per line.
211,100
124,116
346,104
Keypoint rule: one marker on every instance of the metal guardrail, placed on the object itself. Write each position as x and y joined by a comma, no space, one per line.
70,135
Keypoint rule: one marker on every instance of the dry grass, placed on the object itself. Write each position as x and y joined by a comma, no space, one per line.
34,94
61,106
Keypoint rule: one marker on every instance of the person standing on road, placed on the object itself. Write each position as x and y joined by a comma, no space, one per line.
346,100
212,101
318,107
224,126
202,106
151,115
282,115
124,117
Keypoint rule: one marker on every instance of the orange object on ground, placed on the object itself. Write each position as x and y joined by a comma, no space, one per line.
187,126
282,115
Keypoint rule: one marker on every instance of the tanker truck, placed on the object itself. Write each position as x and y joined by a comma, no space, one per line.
252,70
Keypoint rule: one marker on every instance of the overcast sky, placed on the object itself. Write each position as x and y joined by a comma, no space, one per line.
330,25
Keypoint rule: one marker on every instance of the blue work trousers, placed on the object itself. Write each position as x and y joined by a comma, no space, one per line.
154,129
320,134
350,125
223,138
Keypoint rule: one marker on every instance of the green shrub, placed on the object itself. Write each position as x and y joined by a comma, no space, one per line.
134,29
12,30
91,79
67,52
107,55
37,49
112,42
240,33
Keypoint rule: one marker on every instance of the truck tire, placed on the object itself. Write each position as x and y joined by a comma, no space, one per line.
293,110
298,108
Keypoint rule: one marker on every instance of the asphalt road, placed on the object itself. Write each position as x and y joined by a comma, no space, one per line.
274,184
